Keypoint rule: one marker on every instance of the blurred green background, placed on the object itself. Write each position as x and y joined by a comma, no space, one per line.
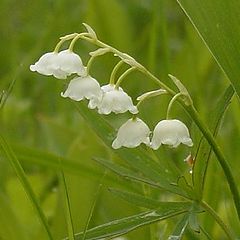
41,126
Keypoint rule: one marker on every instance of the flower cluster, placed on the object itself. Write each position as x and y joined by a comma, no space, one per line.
112,98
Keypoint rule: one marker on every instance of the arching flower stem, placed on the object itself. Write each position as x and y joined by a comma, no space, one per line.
78,36
89,64
64,39
171,104
114,72
123,76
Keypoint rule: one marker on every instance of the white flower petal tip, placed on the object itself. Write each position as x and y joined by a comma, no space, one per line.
45,64
131,134
84,88
170,132
60,65
115,100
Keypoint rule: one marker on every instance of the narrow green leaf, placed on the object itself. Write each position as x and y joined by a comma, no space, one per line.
25,183
90,215
125,225
68,206
51,160
204,152
142,201
206,233
180,228
193,222
124,172
4,95
217,22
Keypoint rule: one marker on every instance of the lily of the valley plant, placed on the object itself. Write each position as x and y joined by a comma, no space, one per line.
112,98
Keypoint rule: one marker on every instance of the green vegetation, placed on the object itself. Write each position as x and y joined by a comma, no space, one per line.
59,175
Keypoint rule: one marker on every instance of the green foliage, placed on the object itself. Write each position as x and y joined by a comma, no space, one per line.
145,194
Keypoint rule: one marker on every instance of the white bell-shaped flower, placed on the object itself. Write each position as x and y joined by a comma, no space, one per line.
69,62
60,65
170,132
46,64
115,100
131,134
81,88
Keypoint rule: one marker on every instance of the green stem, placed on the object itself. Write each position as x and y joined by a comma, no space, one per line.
89,64
196,118
58,46
78,36
220,156
123,76
149,95
171,103
218,220
63,39
25,183
114,72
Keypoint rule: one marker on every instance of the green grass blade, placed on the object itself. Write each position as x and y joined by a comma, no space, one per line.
217,22
25,183
125,225
51,161
136,199
68,206
127,173
6,94
180,228
93,207
205,150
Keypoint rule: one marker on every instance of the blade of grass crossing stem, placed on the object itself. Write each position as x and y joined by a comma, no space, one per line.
25,183
68,206
205,150
93,206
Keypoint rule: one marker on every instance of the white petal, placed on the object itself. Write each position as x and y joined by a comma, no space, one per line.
45,64
110,87
170,132
84,87
131,134
115,100
70,62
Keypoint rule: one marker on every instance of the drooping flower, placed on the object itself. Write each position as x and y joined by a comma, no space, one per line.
60,65
81,88
170,132
115,100
69,62
46,64
131,134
